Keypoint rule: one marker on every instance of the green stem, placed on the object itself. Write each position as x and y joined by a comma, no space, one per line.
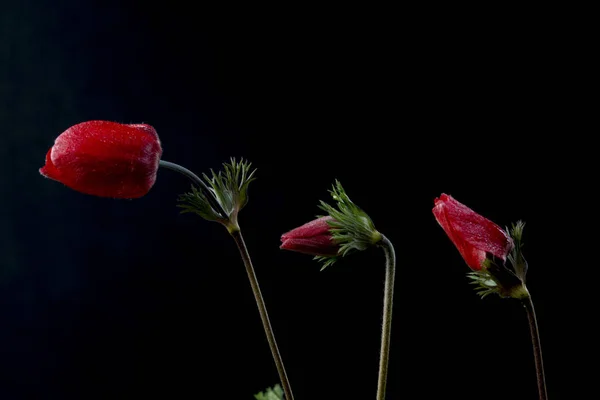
196,179
537,348
262,309
388,296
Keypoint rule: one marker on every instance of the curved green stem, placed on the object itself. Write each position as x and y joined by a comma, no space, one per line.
388,297
196,179
537,348
262,309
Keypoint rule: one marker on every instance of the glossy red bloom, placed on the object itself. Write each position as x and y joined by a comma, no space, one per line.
472,234
312,238
106,159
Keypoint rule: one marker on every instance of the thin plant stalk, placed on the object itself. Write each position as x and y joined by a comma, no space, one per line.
262,309
388,297
234,230
537,348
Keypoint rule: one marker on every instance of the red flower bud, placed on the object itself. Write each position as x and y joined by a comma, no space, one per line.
106,159
312,238
473,235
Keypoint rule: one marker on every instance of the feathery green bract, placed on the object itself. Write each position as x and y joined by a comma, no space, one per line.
506,279
352,229
196,202
326,260
228,187
274,393
515,257
231,185
485,282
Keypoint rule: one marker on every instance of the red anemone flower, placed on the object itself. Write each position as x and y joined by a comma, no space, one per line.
473,235
104,158
312,238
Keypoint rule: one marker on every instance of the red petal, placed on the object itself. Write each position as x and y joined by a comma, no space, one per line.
317,227
49,170
316,246
472,234
106,158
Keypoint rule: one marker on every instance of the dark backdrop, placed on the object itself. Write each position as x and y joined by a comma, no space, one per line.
123,299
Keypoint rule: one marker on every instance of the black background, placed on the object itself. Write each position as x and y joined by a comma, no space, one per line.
123,299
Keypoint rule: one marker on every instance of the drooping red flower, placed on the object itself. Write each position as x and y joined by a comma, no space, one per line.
312,238
472,234
104,158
